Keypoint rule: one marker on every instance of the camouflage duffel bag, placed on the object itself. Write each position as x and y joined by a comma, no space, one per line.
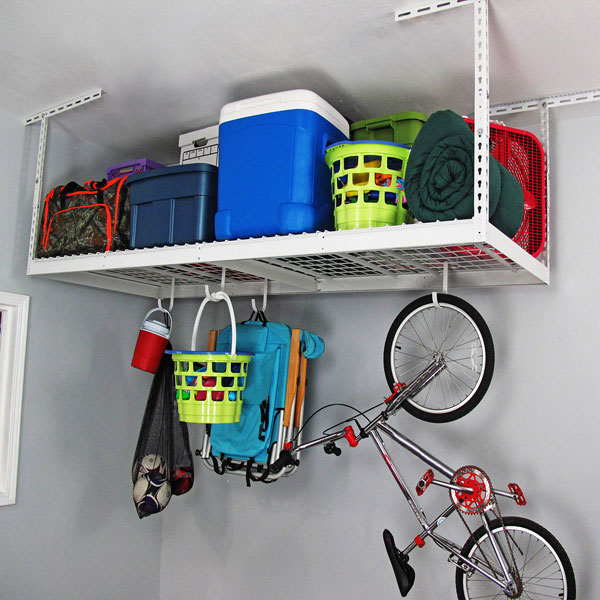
80,219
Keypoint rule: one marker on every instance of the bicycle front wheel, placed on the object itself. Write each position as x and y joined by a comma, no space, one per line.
541,565
453,331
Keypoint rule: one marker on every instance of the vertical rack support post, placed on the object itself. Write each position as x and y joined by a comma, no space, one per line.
37,188
482,118
43,117
545,127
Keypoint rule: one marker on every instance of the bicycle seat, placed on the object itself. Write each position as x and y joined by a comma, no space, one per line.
405,574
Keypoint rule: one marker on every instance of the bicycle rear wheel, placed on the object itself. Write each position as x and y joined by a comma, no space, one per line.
541,563
453,330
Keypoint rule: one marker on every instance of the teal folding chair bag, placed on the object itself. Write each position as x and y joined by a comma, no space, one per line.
248,445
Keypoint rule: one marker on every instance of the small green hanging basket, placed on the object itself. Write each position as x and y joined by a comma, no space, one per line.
209,385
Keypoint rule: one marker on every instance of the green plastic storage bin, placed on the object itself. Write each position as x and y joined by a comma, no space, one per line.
401,128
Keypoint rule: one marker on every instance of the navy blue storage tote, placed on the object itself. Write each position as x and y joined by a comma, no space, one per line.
174,205
272,175
247,446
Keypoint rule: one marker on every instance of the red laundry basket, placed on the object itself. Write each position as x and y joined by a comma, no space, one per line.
522,154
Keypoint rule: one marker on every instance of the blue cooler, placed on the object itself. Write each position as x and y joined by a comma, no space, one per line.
174,205
272,175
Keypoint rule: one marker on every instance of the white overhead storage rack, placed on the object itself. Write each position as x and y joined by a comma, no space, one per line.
383,258
465,253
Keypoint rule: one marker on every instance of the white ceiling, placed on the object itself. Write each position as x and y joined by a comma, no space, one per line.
169,67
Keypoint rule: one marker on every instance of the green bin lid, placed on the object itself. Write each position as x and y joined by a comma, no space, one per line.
403,116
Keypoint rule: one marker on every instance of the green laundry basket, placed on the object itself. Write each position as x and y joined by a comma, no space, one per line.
209,385
400,128
367,183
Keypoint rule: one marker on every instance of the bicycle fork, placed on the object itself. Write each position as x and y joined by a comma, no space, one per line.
508,585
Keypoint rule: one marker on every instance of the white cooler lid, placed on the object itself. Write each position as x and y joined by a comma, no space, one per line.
291,100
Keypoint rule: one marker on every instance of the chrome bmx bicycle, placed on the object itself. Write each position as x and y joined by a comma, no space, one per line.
506,556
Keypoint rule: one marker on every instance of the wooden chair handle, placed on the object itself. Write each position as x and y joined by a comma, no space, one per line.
212,340
301,390
292,378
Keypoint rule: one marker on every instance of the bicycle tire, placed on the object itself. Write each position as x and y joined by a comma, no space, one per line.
537,552
411,345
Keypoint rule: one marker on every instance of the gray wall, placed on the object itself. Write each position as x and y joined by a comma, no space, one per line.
318,533
73,532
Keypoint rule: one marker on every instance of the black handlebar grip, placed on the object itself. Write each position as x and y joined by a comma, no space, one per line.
285,459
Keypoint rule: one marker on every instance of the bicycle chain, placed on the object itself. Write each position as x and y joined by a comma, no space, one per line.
495,507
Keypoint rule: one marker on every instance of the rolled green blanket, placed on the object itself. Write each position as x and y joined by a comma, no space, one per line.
439,177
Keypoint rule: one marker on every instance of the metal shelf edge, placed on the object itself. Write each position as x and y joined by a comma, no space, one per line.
418,235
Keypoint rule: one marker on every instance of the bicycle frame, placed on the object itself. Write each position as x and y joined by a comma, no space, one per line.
379,425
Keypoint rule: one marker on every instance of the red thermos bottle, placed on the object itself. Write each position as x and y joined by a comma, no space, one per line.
151,343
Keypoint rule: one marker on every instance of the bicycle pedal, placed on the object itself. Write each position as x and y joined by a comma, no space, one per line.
517,492
424,482
405,574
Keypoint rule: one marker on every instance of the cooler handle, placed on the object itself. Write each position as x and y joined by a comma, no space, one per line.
164,310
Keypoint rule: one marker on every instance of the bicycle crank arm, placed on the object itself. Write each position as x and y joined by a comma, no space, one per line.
452,486
515,493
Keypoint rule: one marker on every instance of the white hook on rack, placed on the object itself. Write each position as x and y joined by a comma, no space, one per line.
172,300
213,296
434,295
264,303
445,278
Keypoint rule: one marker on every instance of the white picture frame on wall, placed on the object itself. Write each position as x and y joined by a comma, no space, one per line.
14,312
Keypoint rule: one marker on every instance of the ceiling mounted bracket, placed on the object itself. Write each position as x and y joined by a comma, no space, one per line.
427,9
554,101
64,106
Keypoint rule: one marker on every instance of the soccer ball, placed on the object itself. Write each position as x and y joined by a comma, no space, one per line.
162,494
183,480
153,463
141,487
151,493
156,479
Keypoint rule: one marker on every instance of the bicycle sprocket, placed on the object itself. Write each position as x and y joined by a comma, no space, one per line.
475,501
